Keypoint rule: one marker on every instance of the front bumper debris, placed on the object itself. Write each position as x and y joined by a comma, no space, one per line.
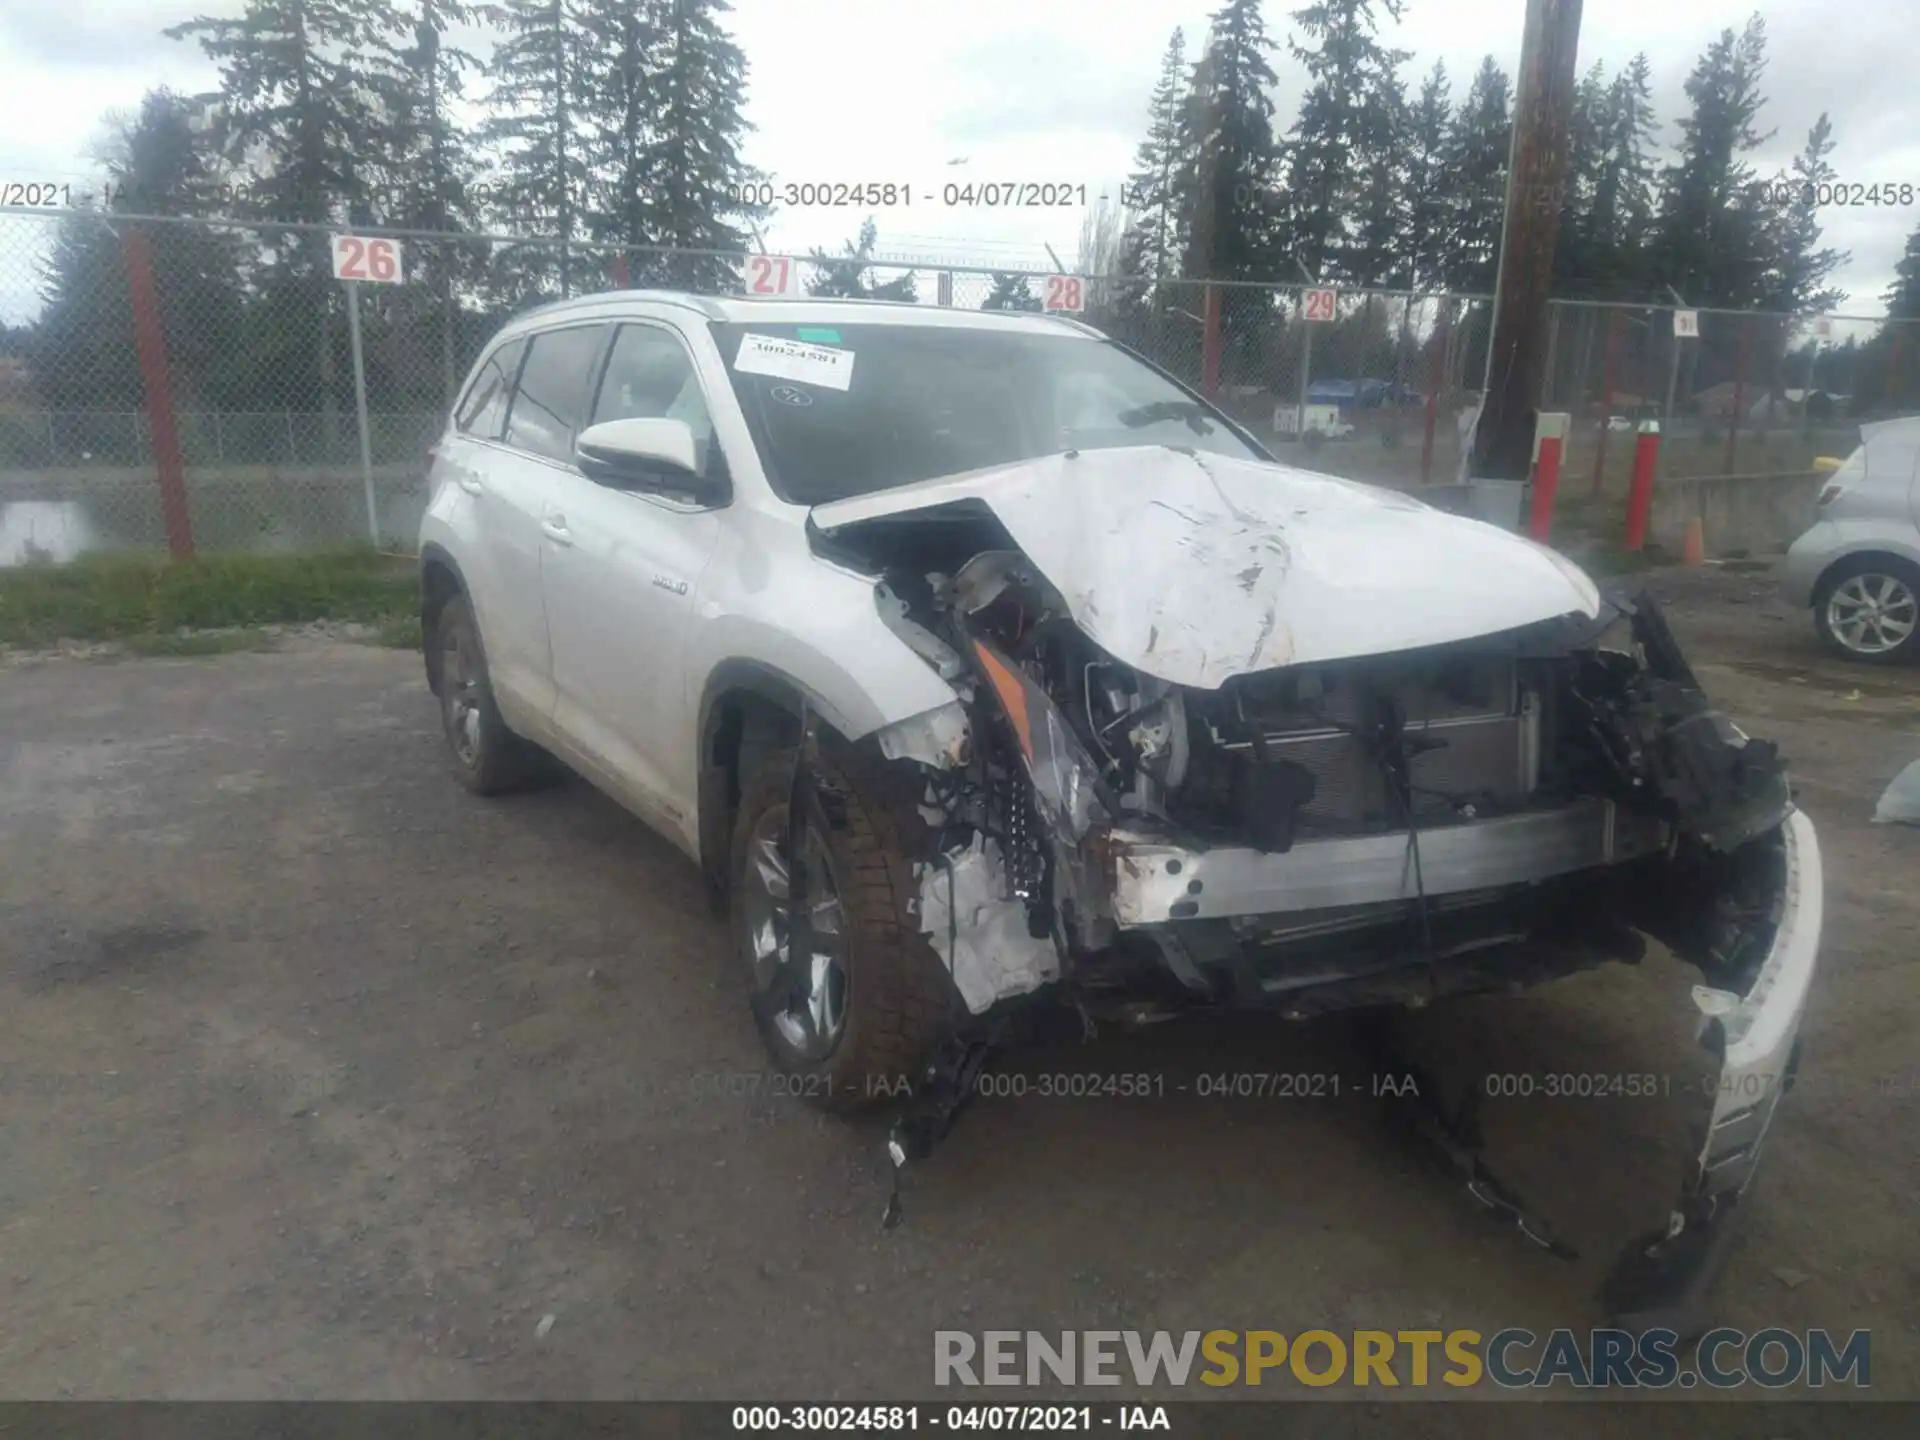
1662,1280
1155,882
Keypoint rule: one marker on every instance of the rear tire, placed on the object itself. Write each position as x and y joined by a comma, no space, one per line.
893,1000
1866,608
488,758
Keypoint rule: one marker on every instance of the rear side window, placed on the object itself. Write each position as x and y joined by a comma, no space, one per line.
484,408
552,395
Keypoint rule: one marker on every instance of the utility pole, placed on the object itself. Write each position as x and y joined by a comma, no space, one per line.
1536,169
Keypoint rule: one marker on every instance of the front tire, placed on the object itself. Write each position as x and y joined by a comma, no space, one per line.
878,1000
488,758
1867,608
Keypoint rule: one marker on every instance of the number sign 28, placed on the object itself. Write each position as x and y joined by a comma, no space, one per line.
361,257
1066,292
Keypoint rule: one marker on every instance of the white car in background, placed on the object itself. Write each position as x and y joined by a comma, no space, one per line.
1858,566
974,660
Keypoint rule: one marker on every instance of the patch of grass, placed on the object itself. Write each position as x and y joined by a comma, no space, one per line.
112,597
198,642
402,632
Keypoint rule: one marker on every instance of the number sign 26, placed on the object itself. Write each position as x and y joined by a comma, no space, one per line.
1065,292
364,257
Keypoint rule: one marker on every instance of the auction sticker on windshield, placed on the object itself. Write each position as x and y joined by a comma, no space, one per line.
794,360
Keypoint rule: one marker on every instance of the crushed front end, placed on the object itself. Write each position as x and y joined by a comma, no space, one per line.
1374,830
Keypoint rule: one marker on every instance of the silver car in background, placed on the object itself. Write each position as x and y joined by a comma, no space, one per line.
1858,567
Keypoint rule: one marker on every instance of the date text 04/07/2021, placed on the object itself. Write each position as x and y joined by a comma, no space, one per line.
905,1419
966,194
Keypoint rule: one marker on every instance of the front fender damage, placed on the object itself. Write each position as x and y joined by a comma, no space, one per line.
1042,787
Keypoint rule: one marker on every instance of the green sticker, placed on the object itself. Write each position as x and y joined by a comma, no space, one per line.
817,336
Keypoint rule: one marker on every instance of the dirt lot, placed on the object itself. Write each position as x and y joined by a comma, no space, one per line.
319,1077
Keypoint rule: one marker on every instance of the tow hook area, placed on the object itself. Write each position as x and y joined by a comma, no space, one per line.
1454,1136
951,1081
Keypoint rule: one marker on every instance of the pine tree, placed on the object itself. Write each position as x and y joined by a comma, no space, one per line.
1477,151
1342,170
1227,139
156,164
1623,198
300,105
1011,292
1903,296
542,174
1151,197
697,171
299,100
1712,227
849,276
1576,253
1428,184
429,184
1799,263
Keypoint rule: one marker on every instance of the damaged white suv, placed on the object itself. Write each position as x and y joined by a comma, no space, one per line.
971,656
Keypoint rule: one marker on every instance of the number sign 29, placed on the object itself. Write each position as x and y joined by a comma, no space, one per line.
1319,305
1065,292
367,257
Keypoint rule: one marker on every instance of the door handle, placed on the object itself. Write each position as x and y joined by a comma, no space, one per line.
554,527
470,483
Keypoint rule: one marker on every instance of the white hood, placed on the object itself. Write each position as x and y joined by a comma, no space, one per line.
1195,567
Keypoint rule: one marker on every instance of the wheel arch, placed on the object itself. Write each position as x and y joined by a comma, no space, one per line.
440,580
749,710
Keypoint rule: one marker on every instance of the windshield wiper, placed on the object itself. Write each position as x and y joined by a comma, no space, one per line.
1195,415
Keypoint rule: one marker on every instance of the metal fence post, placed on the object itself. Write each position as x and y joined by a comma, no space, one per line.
219,441
360,404
1739,393
1548,387
1437,346
1306,371
1210,342
293,450
1615,327
150,343
1673,379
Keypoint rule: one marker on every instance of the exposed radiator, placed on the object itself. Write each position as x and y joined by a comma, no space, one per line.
1488,758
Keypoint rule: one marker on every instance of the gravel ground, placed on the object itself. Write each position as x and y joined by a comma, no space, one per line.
319,1077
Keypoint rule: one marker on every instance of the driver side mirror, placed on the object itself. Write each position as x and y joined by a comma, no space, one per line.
640,454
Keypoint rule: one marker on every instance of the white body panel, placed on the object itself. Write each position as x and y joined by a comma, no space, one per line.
1196,568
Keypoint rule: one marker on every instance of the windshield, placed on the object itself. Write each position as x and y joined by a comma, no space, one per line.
844,410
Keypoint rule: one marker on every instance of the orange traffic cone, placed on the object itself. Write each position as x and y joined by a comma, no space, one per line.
1696,546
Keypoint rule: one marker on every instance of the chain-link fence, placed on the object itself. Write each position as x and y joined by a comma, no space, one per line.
205,385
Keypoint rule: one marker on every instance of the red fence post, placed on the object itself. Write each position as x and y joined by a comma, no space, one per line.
1615,328
1210,343
1546,481
151,345
1436,377
622,279
1739,391
1646,454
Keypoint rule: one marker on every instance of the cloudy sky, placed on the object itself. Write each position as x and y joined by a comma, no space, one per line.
896,89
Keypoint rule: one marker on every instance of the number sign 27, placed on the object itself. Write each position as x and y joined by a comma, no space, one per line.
362,257
769,275
1065,292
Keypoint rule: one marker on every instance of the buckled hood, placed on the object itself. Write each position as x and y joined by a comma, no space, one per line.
1195,567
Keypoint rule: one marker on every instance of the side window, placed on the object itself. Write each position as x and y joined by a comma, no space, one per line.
553,391
650,376
484,407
